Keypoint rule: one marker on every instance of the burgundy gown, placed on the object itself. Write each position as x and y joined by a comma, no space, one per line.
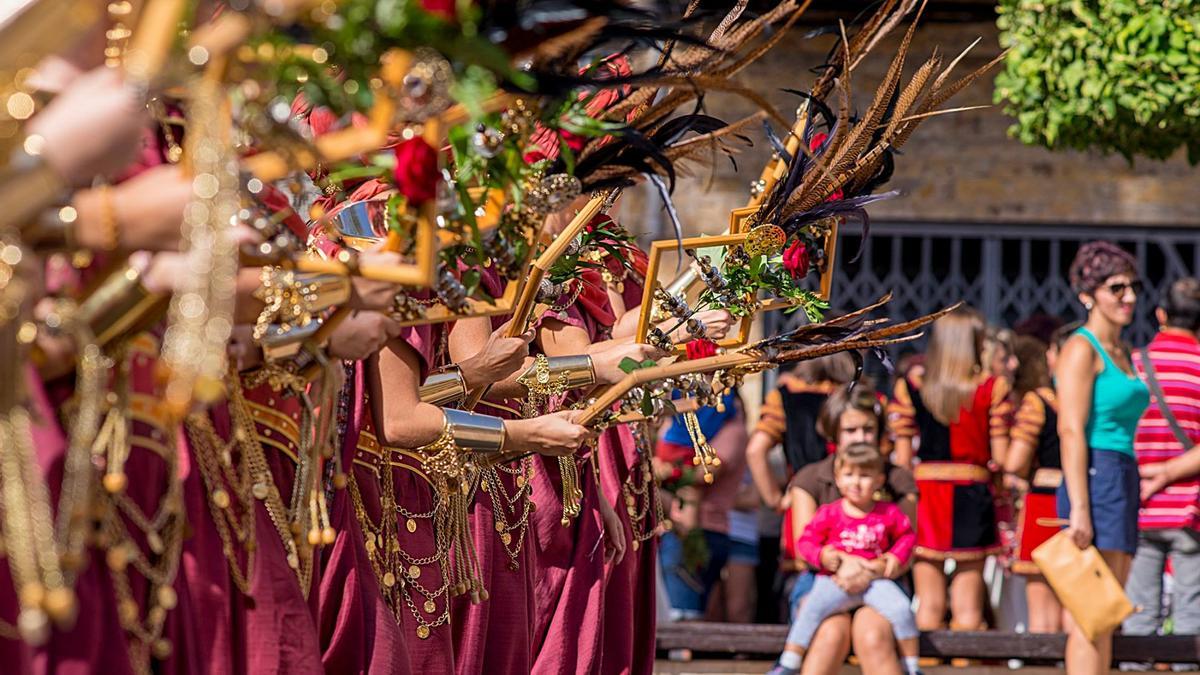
496,636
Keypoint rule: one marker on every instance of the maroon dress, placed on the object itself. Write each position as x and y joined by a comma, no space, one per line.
496,637
630,593
571,582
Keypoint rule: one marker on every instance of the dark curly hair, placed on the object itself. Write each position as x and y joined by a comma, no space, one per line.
1096,261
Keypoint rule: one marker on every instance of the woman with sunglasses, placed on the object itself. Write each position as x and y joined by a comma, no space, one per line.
1100,402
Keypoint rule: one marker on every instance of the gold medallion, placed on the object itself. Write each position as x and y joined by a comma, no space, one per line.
506,538
422,632
499,526
765,240
414,572
430,607
259,490
389,579
410,525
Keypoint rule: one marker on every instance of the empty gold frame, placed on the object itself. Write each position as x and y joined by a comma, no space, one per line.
664,247
691,286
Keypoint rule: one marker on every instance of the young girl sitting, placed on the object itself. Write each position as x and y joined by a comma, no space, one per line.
855,525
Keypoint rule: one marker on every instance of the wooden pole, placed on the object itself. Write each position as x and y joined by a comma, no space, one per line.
523,310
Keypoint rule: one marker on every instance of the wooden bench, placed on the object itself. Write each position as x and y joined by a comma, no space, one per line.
748,640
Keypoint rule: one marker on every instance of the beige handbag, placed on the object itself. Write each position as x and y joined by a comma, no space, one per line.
1084,584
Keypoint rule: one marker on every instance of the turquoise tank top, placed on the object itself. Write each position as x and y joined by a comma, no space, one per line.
1118,401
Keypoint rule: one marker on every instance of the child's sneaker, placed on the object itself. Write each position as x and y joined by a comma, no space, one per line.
780,669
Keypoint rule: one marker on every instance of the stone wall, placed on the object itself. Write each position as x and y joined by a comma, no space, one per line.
957,168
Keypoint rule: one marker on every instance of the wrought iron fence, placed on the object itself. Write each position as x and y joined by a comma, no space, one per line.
1008,272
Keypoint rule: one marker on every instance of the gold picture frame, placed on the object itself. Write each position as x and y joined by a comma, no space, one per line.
660,248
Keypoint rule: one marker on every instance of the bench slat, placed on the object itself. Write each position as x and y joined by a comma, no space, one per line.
768,639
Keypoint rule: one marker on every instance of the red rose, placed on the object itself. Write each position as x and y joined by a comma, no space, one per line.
416,172
443,8
574,141
816,141
795,260
700,349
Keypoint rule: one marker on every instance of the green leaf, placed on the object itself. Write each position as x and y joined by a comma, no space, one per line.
647,405
628,365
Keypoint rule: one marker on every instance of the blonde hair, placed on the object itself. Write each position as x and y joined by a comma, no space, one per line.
952,363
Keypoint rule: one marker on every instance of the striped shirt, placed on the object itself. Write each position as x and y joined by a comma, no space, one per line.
1176,359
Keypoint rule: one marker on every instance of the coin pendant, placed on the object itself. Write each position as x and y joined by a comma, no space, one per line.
410,525
259,490
499,526
422,632
430,608
414,572
389,579
506,538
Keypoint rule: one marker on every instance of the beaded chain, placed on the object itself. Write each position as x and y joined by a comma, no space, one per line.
641,496
542,389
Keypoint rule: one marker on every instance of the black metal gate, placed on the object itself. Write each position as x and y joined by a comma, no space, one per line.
1008,272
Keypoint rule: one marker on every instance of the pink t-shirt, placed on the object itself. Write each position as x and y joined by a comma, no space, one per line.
884,529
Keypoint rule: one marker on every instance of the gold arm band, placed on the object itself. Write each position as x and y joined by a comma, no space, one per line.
474,432
295,299
444,388
569,372
284,341
27,185
121,305
53,229
324,291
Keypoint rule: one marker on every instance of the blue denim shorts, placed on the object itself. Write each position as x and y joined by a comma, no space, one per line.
744,552
1113,487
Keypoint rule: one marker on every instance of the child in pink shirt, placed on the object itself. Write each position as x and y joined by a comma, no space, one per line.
855,525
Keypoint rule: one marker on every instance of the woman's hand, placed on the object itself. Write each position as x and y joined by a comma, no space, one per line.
371,293
361,335
1155,477
607,358
500,357
93,128
554,435
1080,528
717,323
614,533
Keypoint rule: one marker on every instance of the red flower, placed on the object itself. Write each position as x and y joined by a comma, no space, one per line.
814,143
443,8
416,172
700,349
795,260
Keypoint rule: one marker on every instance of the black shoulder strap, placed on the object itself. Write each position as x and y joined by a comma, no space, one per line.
1156,389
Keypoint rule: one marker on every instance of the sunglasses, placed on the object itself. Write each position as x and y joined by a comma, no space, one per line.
1118,289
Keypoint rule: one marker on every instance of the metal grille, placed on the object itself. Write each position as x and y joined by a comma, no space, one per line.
1008,272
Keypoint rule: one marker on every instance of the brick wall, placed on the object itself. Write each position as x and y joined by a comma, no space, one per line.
957,168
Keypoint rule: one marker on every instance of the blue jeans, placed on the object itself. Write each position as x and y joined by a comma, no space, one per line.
826,599
688,589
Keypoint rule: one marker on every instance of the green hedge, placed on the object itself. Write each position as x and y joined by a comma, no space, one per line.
1116,75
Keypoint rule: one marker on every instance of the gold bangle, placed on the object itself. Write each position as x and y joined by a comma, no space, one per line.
473,432
109,227
120,305
444,388
28,184
295,299
54,229
553,375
